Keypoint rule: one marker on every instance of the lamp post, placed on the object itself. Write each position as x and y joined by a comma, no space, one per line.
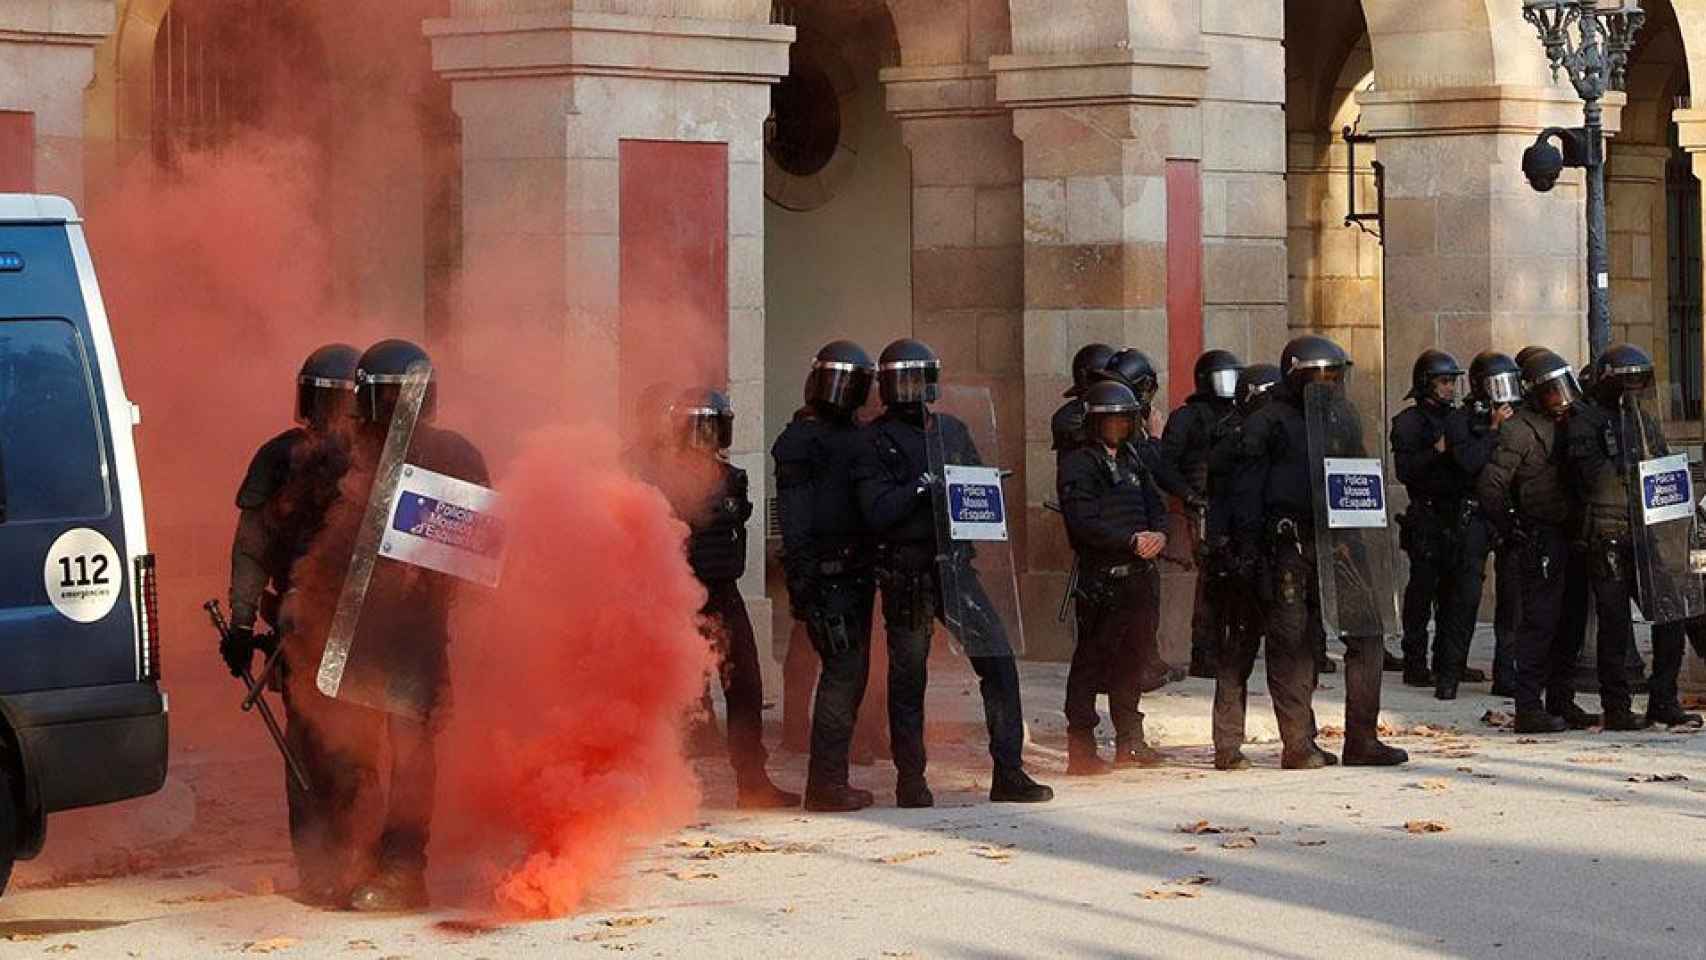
1590,40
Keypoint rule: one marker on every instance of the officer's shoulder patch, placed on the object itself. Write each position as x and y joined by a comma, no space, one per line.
269,469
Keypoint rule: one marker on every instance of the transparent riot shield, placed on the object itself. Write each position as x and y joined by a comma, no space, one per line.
1353,532
980,585
421,531
1661,510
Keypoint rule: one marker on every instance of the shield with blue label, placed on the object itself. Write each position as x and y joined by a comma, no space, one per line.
974,556
1662,508
1353,529
422,533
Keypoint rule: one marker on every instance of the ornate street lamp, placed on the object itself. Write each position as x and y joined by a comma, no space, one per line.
1590,40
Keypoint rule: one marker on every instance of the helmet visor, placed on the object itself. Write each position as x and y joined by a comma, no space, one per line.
1558,392
1224,383
1503,387
710,429
1629,379
1112,429
1255,395
321,401
910,383
843,386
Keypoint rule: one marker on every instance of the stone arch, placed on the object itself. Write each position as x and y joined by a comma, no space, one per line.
120,99
936,33
1456,43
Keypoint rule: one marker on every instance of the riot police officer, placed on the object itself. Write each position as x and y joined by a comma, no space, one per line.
826,556
896,490
1527,499
289,485
1230,575
1471,433
1276,516
1118,527
710,495
1185,445
1067,424
1600,458
1133,368
1433,525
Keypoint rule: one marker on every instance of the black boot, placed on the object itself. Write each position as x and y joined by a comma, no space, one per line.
1016,786
393,890
1081,756
1445,690
1575,717
1202,664
1373,753
1135,752
840,799
1625,720
1539,721
1474,675
1418,675
1671,714
756,792
1392,663
1308,757
1326,665
1363,676
1231,761
913,794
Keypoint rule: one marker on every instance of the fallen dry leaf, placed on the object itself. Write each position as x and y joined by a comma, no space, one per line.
1311,843
1168,895
690,875
1000,854
270,945
1658,778
25,937
361,945
1497,718
1194,880
1432,785
61,948
1426,826
630,922
899,953
1238,843
1591,758
595,936
905,857
1200,827
215,896
1332,732
1189,848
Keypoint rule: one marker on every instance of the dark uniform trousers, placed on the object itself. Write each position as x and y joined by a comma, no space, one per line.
1507,613
1545,650
1609,570
1669,642
839,625
912,604
1115,642
730,630
1445,583
1241,611
1293,624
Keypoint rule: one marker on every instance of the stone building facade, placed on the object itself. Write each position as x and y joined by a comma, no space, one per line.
1005,179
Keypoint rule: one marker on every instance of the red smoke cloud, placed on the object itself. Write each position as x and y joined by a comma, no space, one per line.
224,270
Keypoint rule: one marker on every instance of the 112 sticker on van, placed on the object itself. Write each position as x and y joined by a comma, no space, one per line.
83,575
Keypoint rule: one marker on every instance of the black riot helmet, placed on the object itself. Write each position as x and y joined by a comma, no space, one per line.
326,384
1255,384
1549,383
703,419
841,377
1431,366
1495,379
1132,368
1090,360
1312,359
1111,411
1523,355
908,372
1217,374
1622,368
380,375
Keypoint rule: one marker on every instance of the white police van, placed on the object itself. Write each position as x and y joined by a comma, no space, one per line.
82,716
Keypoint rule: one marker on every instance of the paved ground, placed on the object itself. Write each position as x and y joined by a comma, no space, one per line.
1570,846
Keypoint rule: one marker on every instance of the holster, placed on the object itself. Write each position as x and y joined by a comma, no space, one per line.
906,574
833,616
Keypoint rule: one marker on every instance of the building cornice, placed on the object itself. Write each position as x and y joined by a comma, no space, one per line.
1112,76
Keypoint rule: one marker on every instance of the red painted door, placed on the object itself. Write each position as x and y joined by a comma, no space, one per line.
17,152
675,265
1184,276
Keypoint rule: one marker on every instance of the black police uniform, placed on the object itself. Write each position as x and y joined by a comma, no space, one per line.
1231,578
1273,517
1470,438
716,550
1597,464
1440,587
290,483
1185,445
1525,497
1066,428
903,518
1109,499
826,556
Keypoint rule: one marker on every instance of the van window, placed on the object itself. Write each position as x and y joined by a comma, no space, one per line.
50,438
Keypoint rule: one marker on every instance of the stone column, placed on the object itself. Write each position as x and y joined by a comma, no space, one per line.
546,100
47,58
1691,135
1475,258
1635,224
1098,128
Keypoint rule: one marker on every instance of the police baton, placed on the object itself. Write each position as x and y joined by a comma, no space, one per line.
1071,578
256,700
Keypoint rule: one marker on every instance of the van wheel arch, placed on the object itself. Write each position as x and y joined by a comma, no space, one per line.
32,819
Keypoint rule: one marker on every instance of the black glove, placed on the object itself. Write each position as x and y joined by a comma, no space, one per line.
803,595
238,649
